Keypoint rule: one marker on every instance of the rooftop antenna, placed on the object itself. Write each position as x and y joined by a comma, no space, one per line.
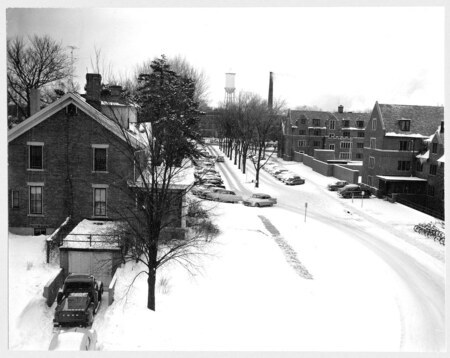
72,61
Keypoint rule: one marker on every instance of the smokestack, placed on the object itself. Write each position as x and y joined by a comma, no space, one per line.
270,102
35,101
341,109
115,92
93,89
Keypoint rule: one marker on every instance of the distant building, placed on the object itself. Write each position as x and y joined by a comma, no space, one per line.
342,132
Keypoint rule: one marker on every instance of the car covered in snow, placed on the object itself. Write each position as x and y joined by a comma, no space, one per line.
353,191
223,195
337,185
220,158
74,339
259,200
78,301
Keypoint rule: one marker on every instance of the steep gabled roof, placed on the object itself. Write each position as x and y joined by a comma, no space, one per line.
80,102
309,114
352,116
424,119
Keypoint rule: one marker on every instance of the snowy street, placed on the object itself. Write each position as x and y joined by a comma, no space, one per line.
340,281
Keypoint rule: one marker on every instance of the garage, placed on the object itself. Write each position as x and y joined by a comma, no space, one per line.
92,247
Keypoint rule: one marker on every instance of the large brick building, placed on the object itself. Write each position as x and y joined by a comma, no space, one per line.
404,153
67,160
342,132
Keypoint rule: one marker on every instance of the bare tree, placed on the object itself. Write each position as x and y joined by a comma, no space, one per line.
33,64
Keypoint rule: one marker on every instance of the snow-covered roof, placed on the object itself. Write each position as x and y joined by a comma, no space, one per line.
442,159
93,235
81,103
182,177
423,156
398,178
409,135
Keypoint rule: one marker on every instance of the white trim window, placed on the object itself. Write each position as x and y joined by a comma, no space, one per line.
99,196
331,147
302,143
344,155
332,124
373,143
346,145
14,199
36,198
370,180
100,158
371,162
35,155
374,124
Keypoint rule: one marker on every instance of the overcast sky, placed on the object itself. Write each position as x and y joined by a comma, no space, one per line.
320,56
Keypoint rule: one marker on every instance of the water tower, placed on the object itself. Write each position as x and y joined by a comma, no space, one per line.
229,87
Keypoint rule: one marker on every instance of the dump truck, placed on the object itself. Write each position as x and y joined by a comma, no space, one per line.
78,301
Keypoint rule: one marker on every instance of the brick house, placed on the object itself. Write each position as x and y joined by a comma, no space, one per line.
402,149
68,159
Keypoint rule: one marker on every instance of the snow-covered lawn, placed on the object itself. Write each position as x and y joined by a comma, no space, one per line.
30,319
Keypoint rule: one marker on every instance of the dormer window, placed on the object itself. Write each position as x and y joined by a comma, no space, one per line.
316,122
404,124
346,123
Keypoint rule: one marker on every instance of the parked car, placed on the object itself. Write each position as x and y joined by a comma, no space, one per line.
78,301
294,180
199,189
337,185
353,190
74,339
279,171
225,196
259,199
284,175
204,193
220,158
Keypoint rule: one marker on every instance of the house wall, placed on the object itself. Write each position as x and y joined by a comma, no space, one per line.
67,172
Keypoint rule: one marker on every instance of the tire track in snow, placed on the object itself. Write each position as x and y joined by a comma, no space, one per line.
288,251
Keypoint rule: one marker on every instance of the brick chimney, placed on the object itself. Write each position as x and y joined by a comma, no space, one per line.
270,101
115,92
442,127
35,101
93,89
341,109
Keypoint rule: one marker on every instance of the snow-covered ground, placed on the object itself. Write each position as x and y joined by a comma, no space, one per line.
249,294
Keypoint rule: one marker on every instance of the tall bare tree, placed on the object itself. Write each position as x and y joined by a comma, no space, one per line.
34,63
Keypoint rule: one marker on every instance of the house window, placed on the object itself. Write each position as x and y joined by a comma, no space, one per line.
419,166
360,124
433,169
361,134
100,201
333,124
317,132
371,162
360,145
359,155
316,122
301,132
14,199
346,145
434,148
40,231
404,125
344,155
303,121
346,134
373,143
316,143
370,180
403,165
35,156
346,123
430,190
374,124
404,145
100,156
302,143
35,200
331,147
